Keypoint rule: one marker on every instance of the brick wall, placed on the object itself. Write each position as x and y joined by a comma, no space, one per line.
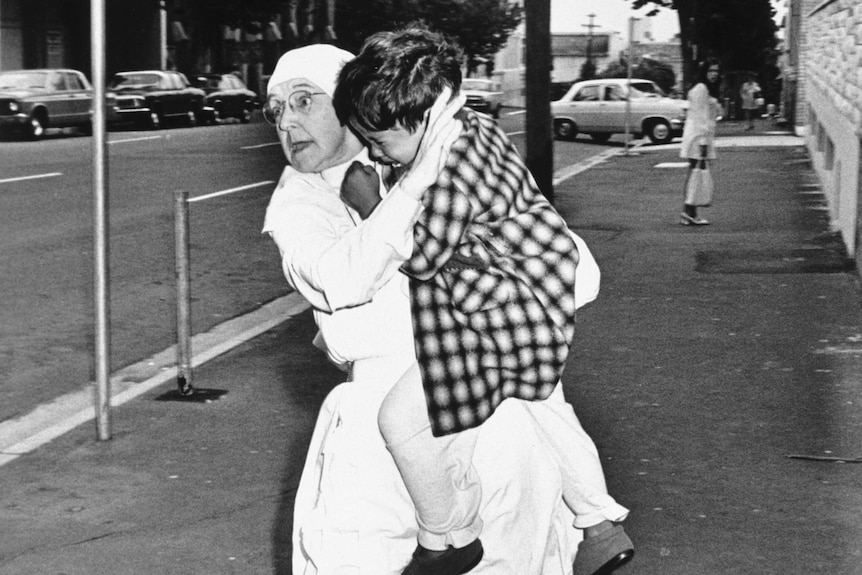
832,78
833,54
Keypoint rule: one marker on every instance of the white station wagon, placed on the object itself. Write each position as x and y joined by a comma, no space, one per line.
598,108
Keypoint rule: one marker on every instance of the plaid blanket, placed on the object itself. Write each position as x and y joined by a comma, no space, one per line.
491,283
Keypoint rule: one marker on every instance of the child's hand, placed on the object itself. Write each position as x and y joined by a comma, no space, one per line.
361,189
441,131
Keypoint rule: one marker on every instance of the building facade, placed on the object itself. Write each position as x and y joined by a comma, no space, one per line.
44,33
571,51
156,34
830,104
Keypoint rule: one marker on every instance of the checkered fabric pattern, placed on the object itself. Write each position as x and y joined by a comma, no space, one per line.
492,282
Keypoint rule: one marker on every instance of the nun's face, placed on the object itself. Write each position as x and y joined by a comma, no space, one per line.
311,136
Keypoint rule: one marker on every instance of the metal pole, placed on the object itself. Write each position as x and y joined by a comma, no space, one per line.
629,82
163,36
100,219
540,139
184,323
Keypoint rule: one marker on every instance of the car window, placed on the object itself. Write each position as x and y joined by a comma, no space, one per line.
22,80
225,83
614,93
206,83
134,81
174,82
587,94
73,81
477,84
57,83
645,90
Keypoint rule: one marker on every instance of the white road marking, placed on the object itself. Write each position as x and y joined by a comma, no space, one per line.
584,165
256,146
34,177
231,191
142,138
49,421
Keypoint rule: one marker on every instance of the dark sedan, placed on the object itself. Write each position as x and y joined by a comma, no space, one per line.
32,101
152,97
226,97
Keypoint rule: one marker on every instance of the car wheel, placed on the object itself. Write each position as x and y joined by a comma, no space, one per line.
35,127
659,132
565,130
600,138
245,117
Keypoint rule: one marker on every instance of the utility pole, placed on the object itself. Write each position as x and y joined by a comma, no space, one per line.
590,27
629,62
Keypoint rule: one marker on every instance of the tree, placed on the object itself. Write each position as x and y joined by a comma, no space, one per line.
588,70
647,69
659,72
480,27
740,33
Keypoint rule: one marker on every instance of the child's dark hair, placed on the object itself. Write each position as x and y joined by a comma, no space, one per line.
396,78
703,76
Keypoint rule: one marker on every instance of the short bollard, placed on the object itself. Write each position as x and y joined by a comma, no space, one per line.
185,390
184,328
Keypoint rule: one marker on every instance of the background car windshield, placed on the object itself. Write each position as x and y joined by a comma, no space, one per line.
19,80
469,84
646,90
208,83
134,81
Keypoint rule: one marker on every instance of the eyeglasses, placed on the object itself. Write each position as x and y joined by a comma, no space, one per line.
299,102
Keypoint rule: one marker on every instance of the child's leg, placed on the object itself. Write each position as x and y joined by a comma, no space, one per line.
584,488
437,471
605,546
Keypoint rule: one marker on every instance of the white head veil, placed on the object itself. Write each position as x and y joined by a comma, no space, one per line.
319,63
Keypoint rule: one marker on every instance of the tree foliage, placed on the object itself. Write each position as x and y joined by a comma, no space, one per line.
740,33
481,27
588,70
659,72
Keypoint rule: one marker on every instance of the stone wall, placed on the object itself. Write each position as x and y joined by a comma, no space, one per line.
800,10
832,68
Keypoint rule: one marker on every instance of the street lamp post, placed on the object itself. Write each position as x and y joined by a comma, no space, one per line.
632,21
590,27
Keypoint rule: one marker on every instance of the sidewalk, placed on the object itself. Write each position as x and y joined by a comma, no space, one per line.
711,355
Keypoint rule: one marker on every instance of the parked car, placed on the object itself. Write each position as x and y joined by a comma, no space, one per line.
483,95
32,101
226,97
151,97
598,108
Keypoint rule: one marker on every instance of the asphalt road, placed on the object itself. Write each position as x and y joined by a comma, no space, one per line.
46,244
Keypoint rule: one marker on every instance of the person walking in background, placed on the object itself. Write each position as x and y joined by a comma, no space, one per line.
698,136
748,93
